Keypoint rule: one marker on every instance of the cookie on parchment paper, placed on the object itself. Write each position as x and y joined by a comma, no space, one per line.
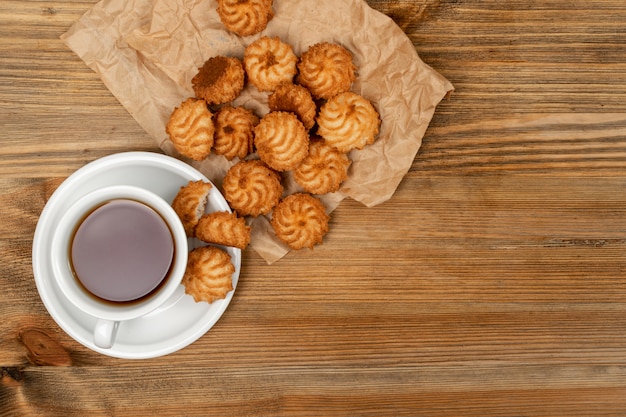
220,80
326,69
191,129
245,17
296,99
281,140
252,188
300,220
324,168
269,62
348,121
234,132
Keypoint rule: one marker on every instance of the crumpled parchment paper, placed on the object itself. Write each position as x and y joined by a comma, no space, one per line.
147,51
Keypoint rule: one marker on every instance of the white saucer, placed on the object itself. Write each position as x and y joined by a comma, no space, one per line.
171,327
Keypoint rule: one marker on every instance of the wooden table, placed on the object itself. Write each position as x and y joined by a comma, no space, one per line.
493,283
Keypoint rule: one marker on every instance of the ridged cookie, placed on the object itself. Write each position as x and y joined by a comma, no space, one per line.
269,62
223,228
191,129
281,140
300,220
219,80
323,170
209,274
348,121
326,69
296,99
252,188
245,17
234,132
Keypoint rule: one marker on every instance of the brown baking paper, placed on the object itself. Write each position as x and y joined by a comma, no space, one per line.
147,51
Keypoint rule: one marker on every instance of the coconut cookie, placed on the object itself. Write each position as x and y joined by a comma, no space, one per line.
191,129
234,132
209,274
326,69
323,170
252,188
220,80
348,121
245,17
269,62
281,140
300,220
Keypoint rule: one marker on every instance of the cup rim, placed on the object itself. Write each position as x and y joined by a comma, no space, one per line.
61,240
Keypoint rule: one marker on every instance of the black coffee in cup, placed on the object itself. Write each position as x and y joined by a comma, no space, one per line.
122,251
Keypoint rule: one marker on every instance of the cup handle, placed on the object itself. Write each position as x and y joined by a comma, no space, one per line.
104,333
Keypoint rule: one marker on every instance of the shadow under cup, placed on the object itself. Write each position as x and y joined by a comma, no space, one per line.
119,253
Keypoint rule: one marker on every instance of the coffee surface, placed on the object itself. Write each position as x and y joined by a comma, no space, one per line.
122,251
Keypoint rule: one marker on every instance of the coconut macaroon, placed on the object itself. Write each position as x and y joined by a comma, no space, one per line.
300,220
281,140
245,17
220,80
296,99
348,121
326,69
269,62
191,129
190,203
209,274
324,168
252,188
234,132
223,228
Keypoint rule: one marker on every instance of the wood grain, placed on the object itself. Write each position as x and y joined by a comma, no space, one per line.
491,284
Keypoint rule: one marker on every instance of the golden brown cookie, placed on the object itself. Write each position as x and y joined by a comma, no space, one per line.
245,17
281,140
219,80
300,220
348,121
252,188
326,69
191,129
209,274
323,170
190,203
269,62
223,228
296,99
234,132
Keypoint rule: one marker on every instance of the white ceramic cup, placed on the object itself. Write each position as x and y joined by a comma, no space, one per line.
110,314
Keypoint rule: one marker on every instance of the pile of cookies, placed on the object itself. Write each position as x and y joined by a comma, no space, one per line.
314,121
208,276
